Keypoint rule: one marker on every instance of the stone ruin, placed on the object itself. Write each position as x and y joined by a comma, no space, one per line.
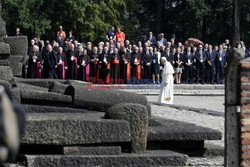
68,125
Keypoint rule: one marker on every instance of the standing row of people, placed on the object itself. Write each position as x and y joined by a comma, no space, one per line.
112,63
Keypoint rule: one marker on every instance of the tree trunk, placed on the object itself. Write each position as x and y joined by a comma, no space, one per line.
236,21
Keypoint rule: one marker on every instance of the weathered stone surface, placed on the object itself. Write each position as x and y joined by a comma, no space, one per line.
137,116
45,98
14,60
170,130
52,109
18,45
109,150
17,70
102,99
28,87
5,84
4,63
74,129
6,73
4,50
15,93
57,87
38,82
150,159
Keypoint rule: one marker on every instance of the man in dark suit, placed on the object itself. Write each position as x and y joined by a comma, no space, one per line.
188,65
162,40
151,38
200,64
210,54
52,61
220,64
169,56
147,59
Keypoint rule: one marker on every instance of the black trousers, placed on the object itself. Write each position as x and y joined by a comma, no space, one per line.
220,75
210,73
200,71
188,70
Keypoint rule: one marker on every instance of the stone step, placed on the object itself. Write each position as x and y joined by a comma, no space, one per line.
149,159
161,129
45,98
107,150
68,129
52,109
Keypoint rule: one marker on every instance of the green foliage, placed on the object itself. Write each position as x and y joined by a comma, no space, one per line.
209,20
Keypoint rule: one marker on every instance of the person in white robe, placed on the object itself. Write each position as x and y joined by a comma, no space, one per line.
166,95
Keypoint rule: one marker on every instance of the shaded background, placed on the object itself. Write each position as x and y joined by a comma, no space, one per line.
208,20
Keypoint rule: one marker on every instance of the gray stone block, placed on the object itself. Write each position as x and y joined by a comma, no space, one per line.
52,109
15,93
45,98
150,159
137,116
102,99
28,87
17,70
5,84
4,63
57,87
108,150
161,129
18,45
39,82
6,73
14,60
4,50
69,129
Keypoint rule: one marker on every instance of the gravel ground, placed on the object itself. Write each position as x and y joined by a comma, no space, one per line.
214,103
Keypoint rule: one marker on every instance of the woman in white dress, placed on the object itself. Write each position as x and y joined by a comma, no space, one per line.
166,95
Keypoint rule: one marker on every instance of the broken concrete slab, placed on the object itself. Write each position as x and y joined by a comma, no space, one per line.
74,129
161,129
102,99
6,73
18,45
137,116
28,87
45,98
38,82
53,109
102,150
149,159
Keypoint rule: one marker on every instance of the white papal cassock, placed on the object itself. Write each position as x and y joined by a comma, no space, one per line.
166,95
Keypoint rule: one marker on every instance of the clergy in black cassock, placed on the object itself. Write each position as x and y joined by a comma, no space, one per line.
136,64
34,62
105,65
115,67
71,62
84,66
125,65
147,59
94,65
62,64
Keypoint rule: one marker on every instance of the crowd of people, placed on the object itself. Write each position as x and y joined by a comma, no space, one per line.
116,60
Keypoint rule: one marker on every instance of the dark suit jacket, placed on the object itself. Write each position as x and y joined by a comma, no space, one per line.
188,57
211,56
198,57
220,59
152,40
147,58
